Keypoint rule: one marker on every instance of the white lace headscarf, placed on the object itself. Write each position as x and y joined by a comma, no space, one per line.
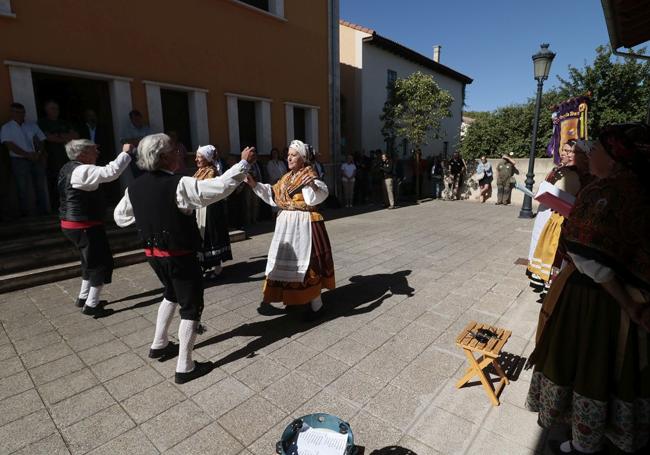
207,152
302,149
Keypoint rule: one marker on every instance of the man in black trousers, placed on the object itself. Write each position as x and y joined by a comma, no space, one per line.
162,205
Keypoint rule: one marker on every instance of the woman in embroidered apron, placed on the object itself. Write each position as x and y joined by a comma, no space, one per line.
569,176
300,260
591,356
212,220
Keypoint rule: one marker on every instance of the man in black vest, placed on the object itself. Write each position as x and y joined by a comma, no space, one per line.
162,206
82,211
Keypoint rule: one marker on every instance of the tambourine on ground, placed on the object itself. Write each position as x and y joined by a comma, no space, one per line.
288,444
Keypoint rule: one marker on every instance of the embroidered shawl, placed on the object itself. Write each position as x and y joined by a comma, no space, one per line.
610,223
287,192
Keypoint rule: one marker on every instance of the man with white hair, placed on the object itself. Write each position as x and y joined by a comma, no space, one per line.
81,211
162,205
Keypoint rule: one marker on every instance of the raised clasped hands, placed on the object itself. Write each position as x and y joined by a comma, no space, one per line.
249,155
250,181
128,148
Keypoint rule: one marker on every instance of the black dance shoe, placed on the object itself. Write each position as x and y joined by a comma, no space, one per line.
97,312
82,302
266,309
169,351
311,316
200,369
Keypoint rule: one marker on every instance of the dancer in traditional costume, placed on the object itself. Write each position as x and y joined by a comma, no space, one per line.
162,205
592,353
82,209
300,260
569,176
213,219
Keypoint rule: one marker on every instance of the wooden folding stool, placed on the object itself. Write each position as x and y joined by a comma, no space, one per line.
489,353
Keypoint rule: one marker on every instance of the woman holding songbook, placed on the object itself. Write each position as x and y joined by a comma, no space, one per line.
300,260
568,177
592,353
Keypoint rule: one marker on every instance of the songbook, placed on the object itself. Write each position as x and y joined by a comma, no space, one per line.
557,200
319,441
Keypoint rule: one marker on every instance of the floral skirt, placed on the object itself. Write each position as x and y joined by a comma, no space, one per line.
581,379
320,274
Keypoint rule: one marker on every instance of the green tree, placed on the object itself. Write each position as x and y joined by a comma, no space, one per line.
414,109
509,129
619,87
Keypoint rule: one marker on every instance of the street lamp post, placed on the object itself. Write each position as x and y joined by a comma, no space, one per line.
542,67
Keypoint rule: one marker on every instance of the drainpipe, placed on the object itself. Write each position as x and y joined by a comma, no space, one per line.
334,90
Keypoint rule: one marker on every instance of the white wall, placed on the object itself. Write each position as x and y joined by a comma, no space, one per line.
376,63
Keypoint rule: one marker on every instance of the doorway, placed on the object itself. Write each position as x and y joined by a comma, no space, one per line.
176,115
75,95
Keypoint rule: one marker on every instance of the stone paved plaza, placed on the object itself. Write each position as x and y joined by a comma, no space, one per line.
383,359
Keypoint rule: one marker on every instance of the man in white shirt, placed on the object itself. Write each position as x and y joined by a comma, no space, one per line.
135,130
161,205
348,174
133,134
25,143
82,210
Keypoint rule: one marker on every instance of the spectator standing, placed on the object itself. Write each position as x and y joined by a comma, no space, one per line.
58,132
133,134
26,153
457,168
486,174
506,170
348,175
437,177
388,173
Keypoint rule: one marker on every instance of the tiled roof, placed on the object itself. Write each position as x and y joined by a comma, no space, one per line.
356,27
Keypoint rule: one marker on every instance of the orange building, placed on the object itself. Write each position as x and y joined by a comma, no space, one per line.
226,72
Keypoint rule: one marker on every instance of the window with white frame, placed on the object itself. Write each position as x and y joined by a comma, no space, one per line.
274,7
249,123
5,8
302,123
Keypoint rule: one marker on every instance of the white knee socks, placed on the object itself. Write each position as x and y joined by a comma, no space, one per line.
187,337
85,287
163,321
93,296
316,304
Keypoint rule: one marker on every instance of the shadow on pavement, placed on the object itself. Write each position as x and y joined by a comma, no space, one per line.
158,291
239,272
363,295
393,450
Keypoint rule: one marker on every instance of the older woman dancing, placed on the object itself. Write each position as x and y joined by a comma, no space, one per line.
300,261
162,205
213,219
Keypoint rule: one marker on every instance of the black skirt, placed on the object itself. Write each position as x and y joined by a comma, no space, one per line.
216,239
